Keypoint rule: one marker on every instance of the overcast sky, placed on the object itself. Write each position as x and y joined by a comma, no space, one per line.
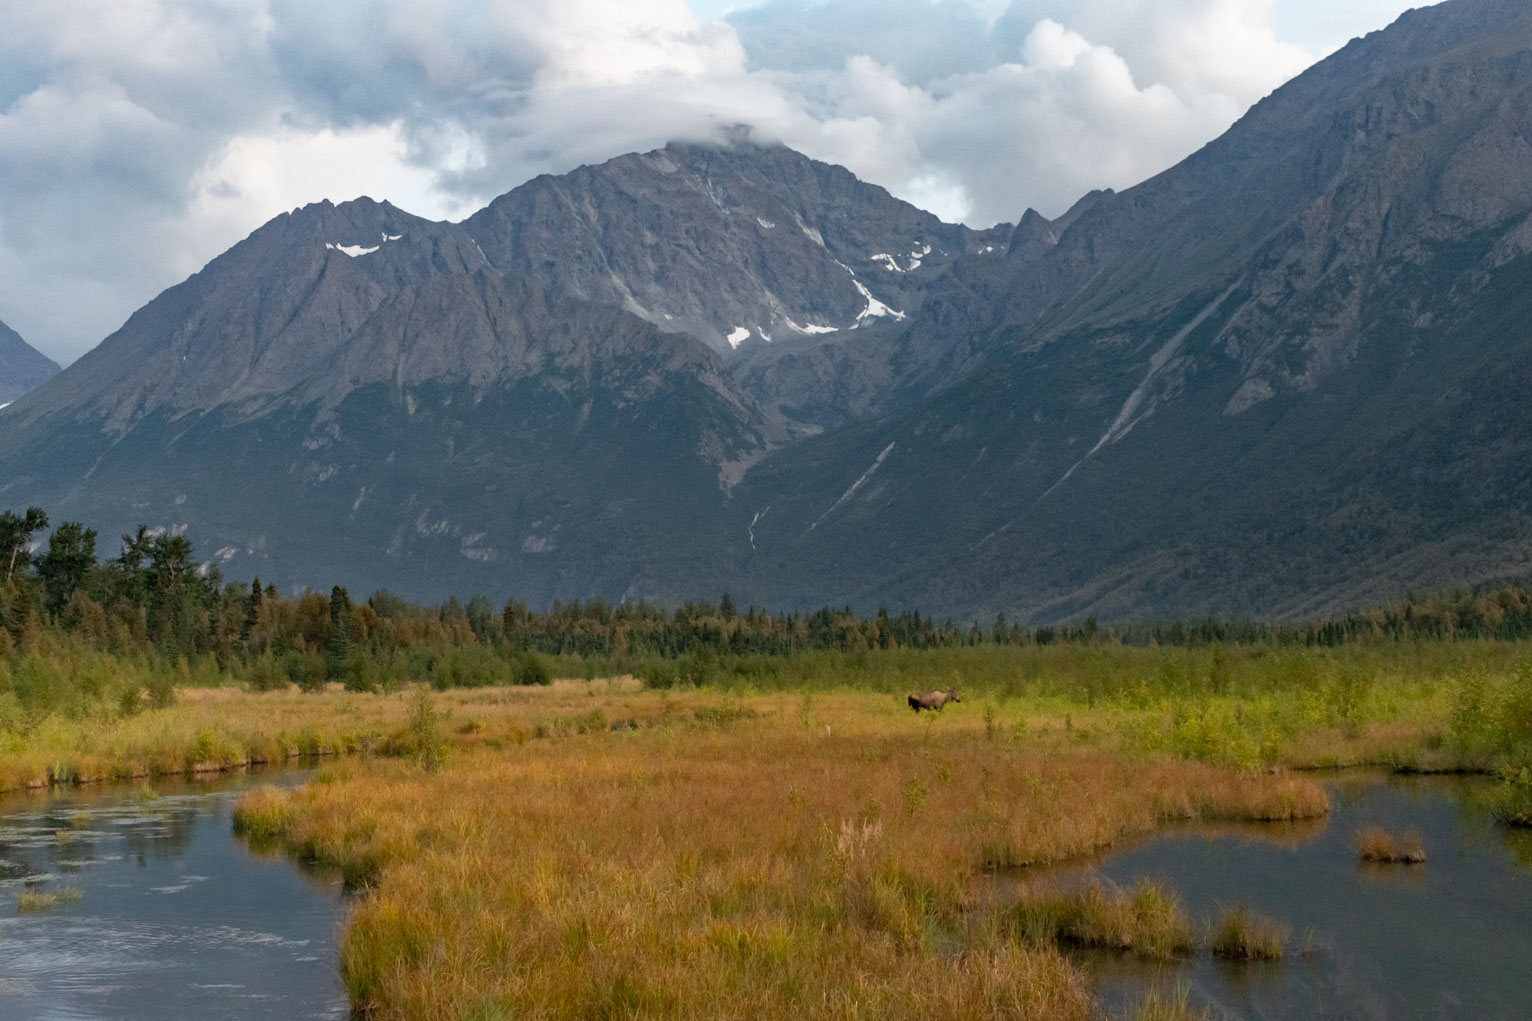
140,138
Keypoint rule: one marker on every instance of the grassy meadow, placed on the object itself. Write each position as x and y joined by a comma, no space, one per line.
785,838
707,855
72,713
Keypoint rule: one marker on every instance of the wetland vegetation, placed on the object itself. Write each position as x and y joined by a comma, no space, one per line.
631,811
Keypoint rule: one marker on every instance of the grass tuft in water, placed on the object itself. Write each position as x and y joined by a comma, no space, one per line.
1172,1007
32,901
1148,920
1376,845
1243,935
262,814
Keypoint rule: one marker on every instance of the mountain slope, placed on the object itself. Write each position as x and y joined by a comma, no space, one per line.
22,367
354,392
1272,379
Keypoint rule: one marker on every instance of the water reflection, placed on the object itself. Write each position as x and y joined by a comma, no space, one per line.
1447,939
177,919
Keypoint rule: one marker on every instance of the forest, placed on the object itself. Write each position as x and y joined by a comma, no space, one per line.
154,598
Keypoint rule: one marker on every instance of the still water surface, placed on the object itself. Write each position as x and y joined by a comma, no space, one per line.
1448,939
178,919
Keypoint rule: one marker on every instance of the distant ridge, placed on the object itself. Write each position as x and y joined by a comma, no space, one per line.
22,367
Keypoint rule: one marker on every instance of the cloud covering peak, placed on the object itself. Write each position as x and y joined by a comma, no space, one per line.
139,139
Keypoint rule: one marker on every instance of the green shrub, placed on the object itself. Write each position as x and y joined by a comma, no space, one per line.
424,729
266,674
306,670
530,668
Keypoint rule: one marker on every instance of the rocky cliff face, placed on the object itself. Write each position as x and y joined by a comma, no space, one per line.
22,367
1284,376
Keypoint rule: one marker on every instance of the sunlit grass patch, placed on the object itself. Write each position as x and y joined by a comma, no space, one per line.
262,814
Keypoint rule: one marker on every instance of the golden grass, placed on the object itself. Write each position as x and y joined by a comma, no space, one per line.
32,901
213,729
1173,1007
1147,920
1375,844
1243,935
770,857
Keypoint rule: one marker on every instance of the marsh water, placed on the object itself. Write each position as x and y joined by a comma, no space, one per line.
179,919
176,917
1451,938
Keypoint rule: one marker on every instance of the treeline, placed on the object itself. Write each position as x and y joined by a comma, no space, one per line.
153,598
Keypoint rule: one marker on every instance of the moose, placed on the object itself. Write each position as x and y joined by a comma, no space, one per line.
933,700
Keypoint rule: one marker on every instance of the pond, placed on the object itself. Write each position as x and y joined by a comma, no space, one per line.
175,917
1451,938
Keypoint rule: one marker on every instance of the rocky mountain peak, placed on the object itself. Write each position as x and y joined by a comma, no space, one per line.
1033,236
265,317
736,244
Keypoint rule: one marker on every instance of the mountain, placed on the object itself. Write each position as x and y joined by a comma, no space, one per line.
1285,376
356,393
22,367
734,244
1280,378
768,256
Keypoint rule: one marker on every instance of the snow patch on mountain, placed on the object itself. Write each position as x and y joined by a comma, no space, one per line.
357,250
875,309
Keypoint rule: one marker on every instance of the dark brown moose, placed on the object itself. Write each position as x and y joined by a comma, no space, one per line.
932,699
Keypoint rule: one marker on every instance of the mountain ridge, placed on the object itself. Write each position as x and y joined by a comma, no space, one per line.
22,367
1276,377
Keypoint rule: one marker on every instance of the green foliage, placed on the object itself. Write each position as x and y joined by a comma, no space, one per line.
530,668
1513,801
1492,715
424,729
265,673
307,671
16,532
65,566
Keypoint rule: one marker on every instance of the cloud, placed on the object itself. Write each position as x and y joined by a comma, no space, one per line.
139,139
